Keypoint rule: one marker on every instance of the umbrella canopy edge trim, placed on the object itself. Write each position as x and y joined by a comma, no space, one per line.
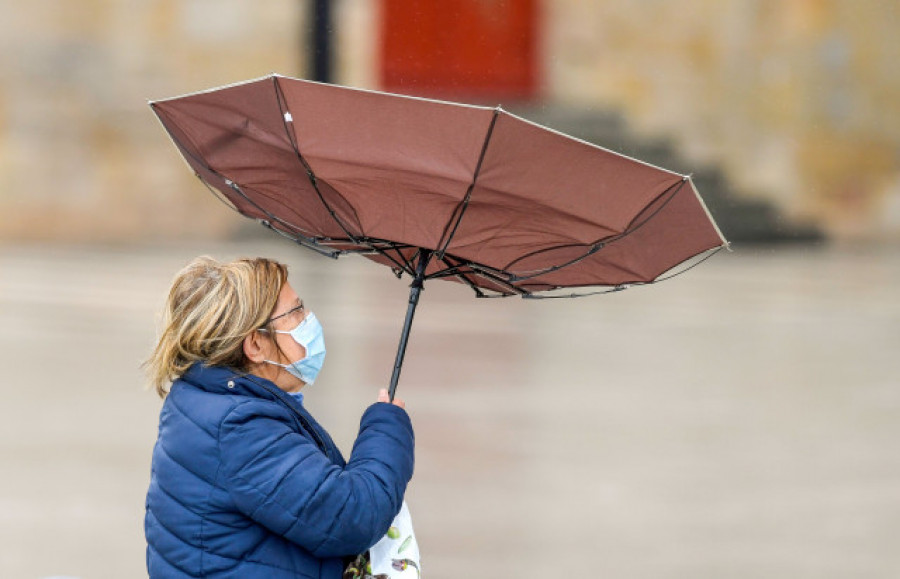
275,75
373,91
725,243
156,113
213,89
594,145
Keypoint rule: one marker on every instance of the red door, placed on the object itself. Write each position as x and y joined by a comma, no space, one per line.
460,48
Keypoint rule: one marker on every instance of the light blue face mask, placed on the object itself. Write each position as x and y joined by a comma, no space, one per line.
309,335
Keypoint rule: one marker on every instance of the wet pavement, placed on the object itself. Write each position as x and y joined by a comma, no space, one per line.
741,420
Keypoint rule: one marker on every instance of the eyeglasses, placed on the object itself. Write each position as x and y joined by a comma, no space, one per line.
298,308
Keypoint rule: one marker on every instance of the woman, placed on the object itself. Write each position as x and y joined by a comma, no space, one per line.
244,482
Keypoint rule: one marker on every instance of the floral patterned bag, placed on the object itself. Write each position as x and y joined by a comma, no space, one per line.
395,556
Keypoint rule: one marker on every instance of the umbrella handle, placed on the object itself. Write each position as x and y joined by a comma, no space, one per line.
414,291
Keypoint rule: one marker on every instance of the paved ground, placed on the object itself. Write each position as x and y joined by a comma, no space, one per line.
739,421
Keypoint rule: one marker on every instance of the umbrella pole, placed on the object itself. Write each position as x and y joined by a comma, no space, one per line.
414,291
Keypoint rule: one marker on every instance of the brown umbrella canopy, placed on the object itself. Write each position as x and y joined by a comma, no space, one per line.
437,189
505,205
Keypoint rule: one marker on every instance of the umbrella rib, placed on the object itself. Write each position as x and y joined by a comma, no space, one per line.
498,280
310,242
403,263
310,174
598,245
286,118
479,270
303,240
294,235
300,231
677,188
464,204
614,289
709,253
624,286
454,270
592,249
218,195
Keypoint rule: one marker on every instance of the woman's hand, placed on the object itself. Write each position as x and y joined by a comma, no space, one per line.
383,397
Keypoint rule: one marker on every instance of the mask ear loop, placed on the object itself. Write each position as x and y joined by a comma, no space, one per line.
266,327
272,333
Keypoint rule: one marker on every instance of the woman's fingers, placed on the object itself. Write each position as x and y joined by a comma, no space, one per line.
384,397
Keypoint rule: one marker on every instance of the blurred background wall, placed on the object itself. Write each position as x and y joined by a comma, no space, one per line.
81,156
792,104
798,101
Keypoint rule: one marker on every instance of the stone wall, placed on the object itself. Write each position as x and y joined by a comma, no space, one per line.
81,154
799,100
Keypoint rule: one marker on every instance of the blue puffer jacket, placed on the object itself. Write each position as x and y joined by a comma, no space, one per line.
246,484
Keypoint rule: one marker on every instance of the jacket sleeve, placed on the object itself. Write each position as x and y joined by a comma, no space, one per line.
281,479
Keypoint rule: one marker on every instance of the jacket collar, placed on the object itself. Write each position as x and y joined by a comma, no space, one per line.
225,380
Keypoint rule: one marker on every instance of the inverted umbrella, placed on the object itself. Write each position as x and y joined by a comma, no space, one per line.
438,190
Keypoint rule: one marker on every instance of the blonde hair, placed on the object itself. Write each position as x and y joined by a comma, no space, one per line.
212,306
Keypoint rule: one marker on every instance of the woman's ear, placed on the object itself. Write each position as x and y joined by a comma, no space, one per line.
255,346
